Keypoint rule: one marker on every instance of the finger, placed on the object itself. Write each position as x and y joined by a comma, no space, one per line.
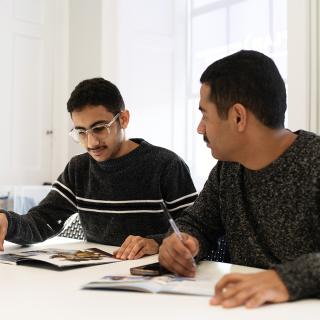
239,298
227,280
264,296
140,254
164,258
183,266
134,241
136,249
149,246
218,297
176,264
224,285
124,246
126,252
259,299
234,288
180,252
191,243
144,249
174,256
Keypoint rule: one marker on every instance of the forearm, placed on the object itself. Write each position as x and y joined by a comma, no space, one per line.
41,222
24,229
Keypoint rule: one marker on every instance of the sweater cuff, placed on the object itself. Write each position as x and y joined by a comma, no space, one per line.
158,238
301,276
203,249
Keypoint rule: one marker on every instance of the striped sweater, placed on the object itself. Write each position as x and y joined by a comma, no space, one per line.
114,198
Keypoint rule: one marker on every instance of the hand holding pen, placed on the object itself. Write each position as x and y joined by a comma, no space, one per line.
174,227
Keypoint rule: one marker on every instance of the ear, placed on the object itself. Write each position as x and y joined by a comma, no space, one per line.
124,119
239,116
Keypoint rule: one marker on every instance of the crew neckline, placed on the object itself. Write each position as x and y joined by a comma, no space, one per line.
301,135
124,160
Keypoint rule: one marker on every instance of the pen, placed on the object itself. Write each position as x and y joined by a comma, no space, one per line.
174,226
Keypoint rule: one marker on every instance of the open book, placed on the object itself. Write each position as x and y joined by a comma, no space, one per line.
207,275
59,258
162,284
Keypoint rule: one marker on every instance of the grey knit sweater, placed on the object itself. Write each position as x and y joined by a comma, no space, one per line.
114,198
270,217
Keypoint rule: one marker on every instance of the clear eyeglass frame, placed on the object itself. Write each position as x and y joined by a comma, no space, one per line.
101,130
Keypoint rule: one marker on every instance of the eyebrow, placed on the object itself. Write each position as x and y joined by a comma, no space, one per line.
93,124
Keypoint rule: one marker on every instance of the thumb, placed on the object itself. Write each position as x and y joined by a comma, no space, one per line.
191,243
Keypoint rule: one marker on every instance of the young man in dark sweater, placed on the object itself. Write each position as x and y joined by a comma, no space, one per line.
263,194
116,187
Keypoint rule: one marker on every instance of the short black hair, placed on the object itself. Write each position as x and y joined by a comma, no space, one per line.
96,91
252,79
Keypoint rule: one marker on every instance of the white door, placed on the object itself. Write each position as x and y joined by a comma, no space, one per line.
26,78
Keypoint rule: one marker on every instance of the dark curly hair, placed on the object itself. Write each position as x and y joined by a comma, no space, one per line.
252,79
96,91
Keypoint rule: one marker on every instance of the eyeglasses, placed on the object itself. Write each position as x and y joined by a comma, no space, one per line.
101,130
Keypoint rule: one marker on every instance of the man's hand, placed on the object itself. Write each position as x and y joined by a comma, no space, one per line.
3,229
176,255
135,247
251,290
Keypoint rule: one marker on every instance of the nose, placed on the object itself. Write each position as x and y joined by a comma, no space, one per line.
92,140
201,128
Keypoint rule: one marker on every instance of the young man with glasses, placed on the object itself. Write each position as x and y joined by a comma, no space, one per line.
117,187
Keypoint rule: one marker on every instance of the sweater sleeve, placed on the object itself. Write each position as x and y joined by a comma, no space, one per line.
202,220
177,189
301,276
46,219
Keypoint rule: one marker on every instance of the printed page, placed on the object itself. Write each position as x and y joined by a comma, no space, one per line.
127,283
60,257
189,286
161,284
10,258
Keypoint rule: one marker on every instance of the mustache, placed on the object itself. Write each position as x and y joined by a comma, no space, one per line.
205,139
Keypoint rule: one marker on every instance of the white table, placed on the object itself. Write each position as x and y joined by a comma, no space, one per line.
38,293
